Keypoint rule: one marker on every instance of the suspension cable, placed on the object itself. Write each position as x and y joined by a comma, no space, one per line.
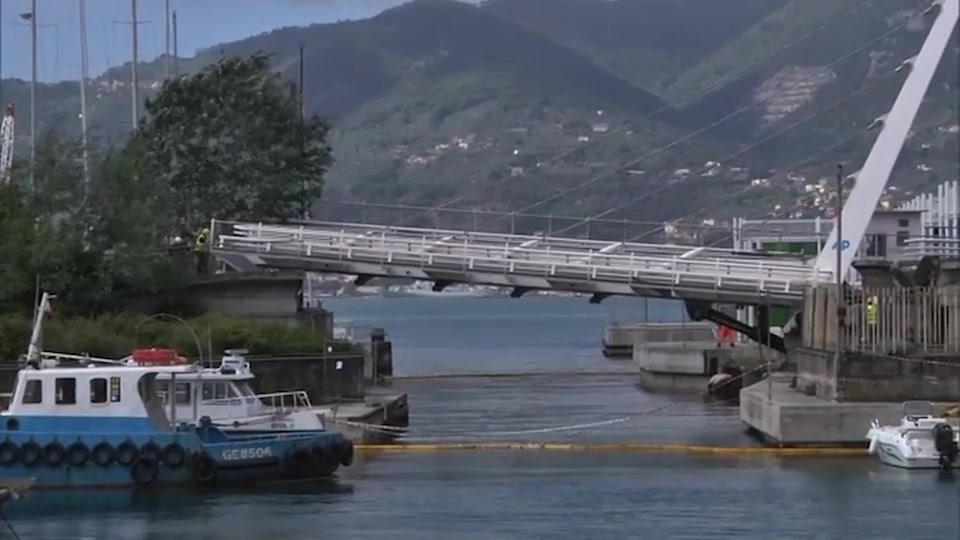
836,104
799,206
696,94
701,130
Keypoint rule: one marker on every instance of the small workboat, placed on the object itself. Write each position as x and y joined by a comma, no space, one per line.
102,425
921,441
226,395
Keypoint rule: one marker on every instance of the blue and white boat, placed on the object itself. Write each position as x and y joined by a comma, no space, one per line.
106,426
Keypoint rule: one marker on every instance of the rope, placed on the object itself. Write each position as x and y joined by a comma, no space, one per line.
627,125
536,431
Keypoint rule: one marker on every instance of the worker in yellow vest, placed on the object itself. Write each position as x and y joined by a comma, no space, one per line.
201,248
873,311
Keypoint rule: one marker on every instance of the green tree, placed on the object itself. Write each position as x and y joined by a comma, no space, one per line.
89,244
230,144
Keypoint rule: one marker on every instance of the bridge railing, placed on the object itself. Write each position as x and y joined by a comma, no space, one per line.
520,256
524,223
918,248
490,245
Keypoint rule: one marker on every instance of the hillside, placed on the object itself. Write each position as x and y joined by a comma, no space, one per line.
437,100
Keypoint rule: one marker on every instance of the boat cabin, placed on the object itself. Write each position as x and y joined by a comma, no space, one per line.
90,398
224,392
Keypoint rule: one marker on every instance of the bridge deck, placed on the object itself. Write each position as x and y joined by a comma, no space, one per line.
536,262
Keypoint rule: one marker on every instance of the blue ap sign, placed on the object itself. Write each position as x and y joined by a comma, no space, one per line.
844,245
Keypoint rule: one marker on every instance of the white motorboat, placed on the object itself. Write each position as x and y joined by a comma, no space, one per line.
921,441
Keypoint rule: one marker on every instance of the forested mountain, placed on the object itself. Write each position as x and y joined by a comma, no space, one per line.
437,99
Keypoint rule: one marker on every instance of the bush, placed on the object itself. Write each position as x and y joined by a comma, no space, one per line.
115,336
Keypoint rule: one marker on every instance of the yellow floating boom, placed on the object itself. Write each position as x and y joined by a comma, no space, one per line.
619,447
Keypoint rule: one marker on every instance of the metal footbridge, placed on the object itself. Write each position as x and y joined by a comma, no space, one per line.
520,262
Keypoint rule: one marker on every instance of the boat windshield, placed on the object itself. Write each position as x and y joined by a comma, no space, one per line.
245,390
918,435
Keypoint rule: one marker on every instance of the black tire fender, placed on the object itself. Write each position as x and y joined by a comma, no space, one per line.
174,456
9,453
144,470
31,453
103,454
127,453
204,468
54,454
77,454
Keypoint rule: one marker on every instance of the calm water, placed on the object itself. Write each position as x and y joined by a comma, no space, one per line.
492,495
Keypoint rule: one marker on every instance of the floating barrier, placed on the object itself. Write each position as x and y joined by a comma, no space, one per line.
618,447
511,375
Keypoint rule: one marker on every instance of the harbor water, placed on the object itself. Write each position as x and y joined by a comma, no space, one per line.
532,494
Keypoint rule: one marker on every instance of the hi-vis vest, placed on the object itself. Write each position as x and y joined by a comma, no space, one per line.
872,312
200,244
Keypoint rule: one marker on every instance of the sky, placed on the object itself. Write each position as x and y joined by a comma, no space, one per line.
201,23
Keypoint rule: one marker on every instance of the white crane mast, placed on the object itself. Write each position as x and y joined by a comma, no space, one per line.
6,145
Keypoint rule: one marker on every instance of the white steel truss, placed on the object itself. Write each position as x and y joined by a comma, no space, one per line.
526,262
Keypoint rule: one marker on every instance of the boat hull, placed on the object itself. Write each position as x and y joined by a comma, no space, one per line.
146,461
890,455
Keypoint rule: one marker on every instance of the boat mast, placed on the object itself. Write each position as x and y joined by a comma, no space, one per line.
135,82
84,75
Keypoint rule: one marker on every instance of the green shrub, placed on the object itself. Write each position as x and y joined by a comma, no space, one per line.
115,336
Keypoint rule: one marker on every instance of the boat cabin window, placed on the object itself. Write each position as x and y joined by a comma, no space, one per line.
245,390
182,392
98,391
33,392
218,390
65,390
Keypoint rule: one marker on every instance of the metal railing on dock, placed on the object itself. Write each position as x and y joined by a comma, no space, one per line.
920,320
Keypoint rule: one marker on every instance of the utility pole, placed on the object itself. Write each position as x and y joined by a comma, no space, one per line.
841,309
32,17
84,75
176,53
166,25
1,59
135,90
135,23
303,181
33,92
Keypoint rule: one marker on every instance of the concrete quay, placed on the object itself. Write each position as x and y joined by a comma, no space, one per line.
782,416
620,339
686,367
910,351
